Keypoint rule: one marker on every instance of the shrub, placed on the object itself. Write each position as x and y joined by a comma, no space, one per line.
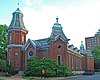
35,66
12,71
7,75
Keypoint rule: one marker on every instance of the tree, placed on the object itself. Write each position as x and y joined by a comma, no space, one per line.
96,54
35,66
3,41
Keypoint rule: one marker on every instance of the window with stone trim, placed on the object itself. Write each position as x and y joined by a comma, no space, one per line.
10,41
76,62
72,62
16,53
22,40
59,47
44,57
30,54
9,61
59,58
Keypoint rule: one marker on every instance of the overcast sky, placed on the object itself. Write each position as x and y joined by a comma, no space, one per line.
79,18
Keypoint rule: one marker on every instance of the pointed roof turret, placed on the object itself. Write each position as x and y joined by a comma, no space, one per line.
17,21
82,50
58,32
81,46
98,32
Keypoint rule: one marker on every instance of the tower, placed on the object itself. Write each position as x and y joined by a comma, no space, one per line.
82,48
16,39
58,43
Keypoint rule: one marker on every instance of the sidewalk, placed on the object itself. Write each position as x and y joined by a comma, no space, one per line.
35,78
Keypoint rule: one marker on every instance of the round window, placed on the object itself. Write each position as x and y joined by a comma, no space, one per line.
31,53
59,47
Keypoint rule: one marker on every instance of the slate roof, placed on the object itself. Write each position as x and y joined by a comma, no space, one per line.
75,48
57,32
29,41
70,45
17,21
42,43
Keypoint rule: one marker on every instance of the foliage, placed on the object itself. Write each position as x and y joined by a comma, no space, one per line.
3,41
96,53
7,75
35,66
12,71
3,66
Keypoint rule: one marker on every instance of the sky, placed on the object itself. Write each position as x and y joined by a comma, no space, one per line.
79,18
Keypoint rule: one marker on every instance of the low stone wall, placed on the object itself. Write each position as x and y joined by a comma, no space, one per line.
78,72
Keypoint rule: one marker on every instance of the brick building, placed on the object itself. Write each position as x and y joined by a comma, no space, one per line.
93,41
90,43
55,47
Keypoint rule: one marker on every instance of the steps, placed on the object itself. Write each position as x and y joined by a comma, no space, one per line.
20,73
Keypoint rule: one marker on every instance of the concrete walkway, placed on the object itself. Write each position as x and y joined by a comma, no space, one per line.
35,78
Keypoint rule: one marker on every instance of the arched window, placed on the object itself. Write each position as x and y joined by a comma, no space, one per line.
9,61
22,40
44,57
72,62
59,58
30,54
10,41
76,62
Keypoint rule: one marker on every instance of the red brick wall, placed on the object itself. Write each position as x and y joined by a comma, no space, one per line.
16,60
77,57
14,56
54,51
90,63
84,63
16,37
42,53
30,48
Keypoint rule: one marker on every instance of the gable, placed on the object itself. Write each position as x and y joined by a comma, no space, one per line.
28,43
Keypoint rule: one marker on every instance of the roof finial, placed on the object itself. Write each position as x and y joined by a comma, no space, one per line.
18,5
57,19
81,42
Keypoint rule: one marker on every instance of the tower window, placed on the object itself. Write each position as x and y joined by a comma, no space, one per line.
22,39
59,59
59,46
9,61
10,42
16,54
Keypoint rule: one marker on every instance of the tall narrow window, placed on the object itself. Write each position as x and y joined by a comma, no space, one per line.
59,59
9,61
72,62
10,41
76,62
22,39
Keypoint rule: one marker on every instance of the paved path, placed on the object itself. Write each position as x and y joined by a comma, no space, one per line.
93,77
89,77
